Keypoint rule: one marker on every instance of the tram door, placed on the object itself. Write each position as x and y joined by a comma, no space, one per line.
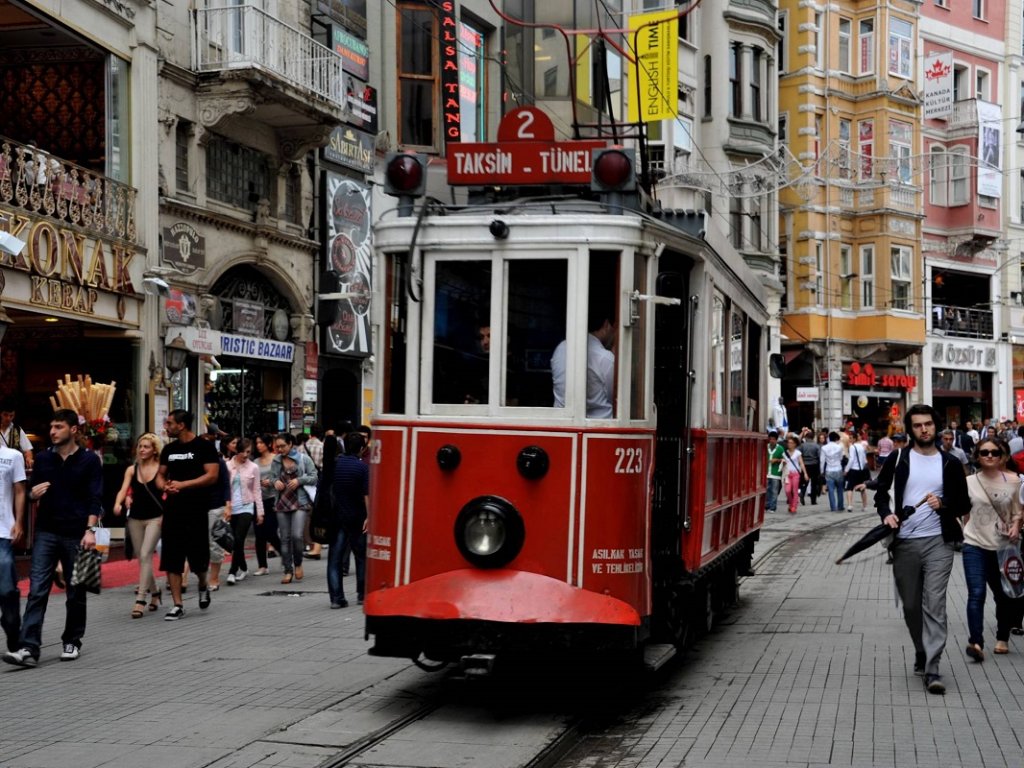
671,345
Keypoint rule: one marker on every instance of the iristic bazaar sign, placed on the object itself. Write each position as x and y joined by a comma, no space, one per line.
68,270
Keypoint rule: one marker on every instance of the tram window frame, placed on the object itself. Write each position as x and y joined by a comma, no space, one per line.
729,387
718,384
639,339
500,345
395,327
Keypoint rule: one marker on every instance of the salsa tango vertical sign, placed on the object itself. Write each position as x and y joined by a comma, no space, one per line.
349,258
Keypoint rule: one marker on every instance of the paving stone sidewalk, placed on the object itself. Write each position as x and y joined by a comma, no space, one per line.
815,670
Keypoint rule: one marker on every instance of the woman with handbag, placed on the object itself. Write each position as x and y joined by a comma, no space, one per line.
144,502
294,472
266,531
995,520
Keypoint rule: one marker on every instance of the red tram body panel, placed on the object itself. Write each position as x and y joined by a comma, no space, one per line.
589,510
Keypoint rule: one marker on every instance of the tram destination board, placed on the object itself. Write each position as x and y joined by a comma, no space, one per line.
521,162
526,153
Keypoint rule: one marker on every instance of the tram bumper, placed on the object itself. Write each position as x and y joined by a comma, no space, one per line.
467,611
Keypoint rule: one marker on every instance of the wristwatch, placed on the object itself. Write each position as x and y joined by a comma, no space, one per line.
92,528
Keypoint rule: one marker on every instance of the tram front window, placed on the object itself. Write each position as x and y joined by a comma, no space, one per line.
500,357
462,320
535,324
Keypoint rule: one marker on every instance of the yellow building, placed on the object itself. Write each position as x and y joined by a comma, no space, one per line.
850,227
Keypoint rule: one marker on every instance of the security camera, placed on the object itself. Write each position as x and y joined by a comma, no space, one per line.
156,286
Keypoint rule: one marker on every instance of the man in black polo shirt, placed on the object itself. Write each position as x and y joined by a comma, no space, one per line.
67,481
188,468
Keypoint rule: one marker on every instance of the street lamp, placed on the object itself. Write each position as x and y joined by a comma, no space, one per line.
175,354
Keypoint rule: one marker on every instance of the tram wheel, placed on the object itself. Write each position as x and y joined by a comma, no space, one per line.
678,621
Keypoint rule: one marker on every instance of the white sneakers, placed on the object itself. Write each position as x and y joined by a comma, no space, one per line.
70,653
21,658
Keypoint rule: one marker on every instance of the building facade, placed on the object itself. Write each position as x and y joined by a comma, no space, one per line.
850,113
77,133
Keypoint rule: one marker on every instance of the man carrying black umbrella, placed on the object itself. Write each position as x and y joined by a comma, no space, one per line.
923,549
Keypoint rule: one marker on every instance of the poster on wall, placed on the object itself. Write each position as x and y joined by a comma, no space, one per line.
350,259
990,140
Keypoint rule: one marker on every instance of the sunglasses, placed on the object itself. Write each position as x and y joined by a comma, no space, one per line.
985,452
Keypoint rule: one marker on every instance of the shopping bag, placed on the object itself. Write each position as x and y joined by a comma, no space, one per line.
103,543
86,572
222,534
1011,569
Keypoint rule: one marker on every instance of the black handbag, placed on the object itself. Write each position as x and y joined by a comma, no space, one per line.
222,534
323,522
86,571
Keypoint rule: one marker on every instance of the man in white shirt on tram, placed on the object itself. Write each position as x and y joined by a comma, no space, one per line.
600,368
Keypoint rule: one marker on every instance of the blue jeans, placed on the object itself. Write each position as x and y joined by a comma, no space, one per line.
48,549
834,481
356,539
772,497
290,527
10,600
981,568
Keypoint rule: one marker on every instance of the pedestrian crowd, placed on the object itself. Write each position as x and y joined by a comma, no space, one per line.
937,492
177,499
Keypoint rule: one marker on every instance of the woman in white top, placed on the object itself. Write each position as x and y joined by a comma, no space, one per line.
246,502
793,470
995,519
857,472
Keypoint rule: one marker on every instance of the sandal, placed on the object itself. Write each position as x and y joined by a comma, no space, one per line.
1001,647
155,599
975,652
139,610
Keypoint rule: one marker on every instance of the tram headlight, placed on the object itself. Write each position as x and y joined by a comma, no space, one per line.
489,532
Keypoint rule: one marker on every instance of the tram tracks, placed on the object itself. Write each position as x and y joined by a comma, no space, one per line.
442,706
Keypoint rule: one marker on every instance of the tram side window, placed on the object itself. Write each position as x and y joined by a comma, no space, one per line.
462,331
638,367
394,328
536,294
737,358
718,347
754,358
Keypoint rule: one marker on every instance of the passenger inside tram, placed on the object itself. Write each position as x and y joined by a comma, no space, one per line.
600,366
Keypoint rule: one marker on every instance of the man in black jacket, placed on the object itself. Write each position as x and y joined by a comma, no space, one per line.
929,493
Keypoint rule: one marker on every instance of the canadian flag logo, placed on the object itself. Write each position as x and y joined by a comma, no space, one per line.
937,70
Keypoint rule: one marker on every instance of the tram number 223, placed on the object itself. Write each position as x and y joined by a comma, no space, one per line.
629,461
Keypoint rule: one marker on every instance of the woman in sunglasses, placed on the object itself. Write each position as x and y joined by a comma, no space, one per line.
996,515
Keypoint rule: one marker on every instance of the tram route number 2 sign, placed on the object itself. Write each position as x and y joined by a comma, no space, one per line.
526,153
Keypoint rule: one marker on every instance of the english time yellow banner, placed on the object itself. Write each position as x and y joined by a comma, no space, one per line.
656,37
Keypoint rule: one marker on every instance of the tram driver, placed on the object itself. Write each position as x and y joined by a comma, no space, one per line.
600,365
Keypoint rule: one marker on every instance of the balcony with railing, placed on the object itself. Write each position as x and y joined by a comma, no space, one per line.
963,322
964,115
37,182
286,66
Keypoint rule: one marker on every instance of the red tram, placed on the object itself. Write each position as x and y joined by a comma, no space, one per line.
515,507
